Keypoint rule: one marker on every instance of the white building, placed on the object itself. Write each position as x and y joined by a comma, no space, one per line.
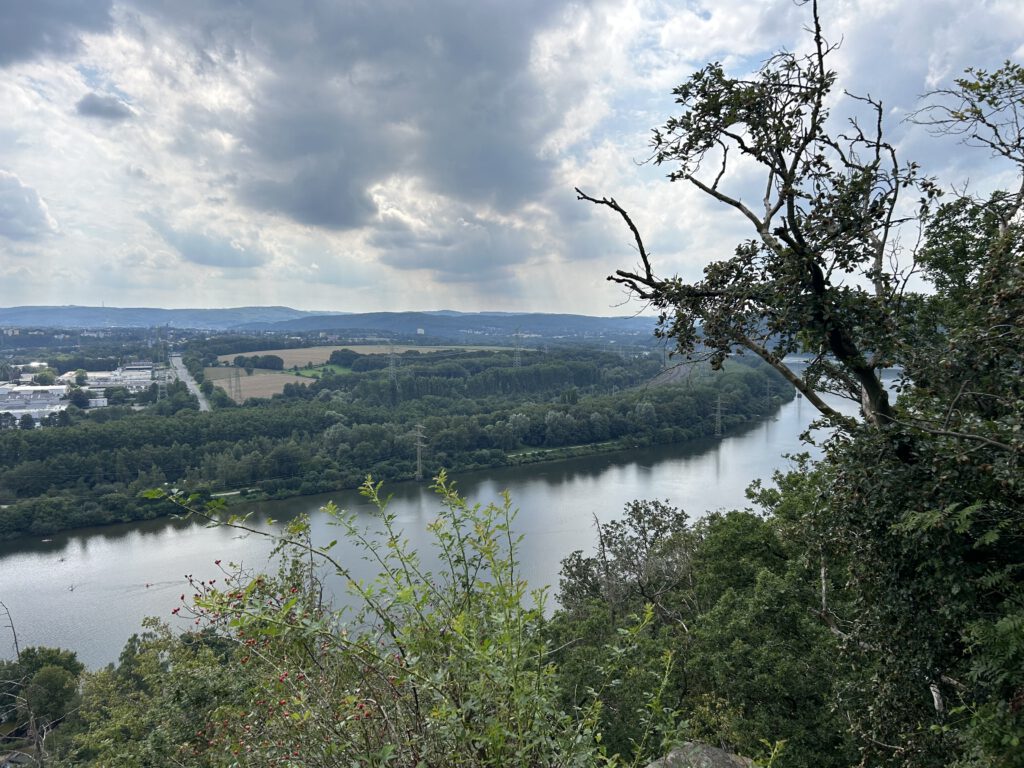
135,377
37,401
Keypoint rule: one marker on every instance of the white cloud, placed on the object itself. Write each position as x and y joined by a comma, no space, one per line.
23,214
212,249
367,156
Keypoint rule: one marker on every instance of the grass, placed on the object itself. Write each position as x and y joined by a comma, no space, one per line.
316,371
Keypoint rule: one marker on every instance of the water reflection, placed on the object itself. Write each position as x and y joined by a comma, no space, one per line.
90,589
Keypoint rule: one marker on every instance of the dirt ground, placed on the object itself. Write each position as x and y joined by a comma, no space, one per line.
260,384
316,355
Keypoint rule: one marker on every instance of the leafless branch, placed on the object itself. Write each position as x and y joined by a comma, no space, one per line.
648,277
14,632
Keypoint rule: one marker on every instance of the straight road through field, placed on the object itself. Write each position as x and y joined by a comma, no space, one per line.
184,375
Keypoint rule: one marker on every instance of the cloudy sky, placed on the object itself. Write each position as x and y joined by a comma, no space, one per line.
358,155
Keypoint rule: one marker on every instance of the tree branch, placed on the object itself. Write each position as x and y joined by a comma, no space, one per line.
801,386
952,433
649,278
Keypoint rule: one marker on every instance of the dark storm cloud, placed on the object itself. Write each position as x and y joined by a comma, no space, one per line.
320,195
471,251
104,107
30,28
360,92
315,158
208,250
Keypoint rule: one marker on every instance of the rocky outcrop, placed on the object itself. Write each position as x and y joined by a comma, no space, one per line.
695,755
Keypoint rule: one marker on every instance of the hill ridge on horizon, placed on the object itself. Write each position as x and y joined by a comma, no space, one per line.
444,323
243,307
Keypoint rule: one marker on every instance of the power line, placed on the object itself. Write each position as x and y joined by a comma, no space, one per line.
420,445
161,384
235,386
392,365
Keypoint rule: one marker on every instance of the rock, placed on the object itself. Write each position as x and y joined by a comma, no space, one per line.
695,755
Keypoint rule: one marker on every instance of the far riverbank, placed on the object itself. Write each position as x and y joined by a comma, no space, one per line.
123,573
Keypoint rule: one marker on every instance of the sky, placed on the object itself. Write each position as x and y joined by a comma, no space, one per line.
386,155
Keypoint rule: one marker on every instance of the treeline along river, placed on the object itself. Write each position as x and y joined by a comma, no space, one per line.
89,589
472,410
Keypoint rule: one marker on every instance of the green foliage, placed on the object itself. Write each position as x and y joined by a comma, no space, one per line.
155,705
78,397
477,408
908,538
344,357
45,377
34,658
49,694
820,273
268,362
750,665
38,692
435,669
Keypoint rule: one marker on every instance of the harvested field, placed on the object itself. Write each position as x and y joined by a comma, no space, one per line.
300,356
260,384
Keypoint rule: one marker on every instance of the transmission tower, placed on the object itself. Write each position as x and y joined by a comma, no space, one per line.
420,445
517,356
392,365
161,384
718,416
235,386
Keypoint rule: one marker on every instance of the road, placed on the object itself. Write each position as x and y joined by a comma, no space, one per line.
183,375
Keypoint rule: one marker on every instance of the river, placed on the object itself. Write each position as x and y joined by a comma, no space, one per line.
89,589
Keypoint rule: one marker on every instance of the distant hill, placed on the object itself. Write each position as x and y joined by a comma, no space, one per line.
464,327
468,326
143,317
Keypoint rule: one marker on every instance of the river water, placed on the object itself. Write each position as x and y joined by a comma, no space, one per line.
88,590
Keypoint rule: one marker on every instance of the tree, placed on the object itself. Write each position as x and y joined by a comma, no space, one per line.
816,276
985,110
911,524
38,690
34,658
116,395
752,665
78,397
26,421
343,357
48,695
